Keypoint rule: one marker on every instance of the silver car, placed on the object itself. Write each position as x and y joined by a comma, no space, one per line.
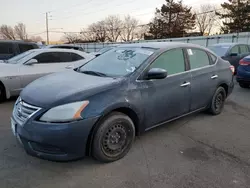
19,71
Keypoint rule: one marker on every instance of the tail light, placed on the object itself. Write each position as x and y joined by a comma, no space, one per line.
244,63
232,69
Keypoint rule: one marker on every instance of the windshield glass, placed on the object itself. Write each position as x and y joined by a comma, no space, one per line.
219,50
118,61
17,58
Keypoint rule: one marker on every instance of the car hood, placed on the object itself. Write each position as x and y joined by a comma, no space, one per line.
65,87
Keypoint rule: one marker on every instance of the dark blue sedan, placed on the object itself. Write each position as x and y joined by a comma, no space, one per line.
243,72
98,108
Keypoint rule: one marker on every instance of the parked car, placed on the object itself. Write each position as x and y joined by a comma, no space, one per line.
232,52
243,72
11,48
103,50
22,69
66,46
98,108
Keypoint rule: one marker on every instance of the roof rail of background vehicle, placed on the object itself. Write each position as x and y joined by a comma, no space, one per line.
16,41
227,44
160,45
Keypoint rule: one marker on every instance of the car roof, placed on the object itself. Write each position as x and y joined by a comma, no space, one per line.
160,45
57,50
70,45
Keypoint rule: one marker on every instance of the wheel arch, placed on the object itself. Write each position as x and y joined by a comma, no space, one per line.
125,109
225,86
6,91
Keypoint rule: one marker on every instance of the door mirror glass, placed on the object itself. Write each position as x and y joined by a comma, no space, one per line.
31,62
233,54
156,73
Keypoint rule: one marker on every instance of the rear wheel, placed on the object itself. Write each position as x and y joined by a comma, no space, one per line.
218,101
114,137
2,93
243,85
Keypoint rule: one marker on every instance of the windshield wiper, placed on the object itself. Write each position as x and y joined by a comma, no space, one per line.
95,73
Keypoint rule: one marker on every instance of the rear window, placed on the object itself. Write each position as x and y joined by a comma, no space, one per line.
6,48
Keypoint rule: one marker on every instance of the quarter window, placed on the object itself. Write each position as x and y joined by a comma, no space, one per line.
235,49
197,58
76,57
244,49
173,61
213,58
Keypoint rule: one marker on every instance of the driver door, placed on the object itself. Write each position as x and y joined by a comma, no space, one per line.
168,98
47,63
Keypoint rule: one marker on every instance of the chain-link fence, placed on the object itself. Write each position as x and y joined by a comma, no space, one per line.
202,40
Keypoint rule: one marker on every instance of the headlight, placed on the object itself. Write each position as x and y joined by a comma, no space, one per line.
65,113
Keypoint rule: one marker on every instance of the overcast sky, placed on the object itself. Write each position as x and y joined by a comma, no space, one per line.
72,15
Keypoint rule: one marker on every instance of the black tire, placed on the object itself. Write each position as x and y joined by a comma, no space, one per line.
243,85
113,138
218,101
2,93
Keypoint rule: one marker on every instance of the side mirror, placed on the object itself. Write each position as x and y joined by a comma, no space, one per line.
31,62
156,73
233,54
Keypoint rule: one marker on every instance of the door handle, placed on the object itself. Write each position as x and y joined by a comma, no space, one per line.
185,84
214,76
69,67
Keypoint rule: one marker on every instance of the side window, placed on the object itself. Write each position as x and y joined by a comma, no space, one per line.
197,58
64,56
235,49
6,48
213,58
76,57
49,57
25,47
244,49
173,61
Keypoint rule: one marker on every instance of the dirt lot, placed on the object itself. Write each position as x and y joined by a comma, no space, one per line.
198,151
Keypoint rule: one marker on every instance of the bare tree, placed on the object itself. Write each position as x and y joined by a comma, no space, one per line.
205,18
71,37
98,31
7,32
20,31
36,39
128,31
141,31
113,27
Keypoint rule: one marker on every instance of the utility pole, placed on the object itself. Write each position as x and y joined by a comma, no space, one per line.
47,27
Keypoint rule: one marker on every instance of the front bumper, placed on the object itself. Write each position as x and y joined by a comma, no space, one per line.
51,141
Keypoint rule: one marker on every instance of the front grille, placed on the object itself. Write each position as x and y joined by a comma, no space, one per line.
23,111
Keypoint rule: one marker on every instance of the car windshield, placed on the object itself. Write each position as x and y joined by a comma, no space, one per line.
219,50
17,58
117,62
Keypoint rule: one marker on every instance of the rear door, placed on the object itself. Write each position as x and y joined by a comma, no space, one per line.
48,62
234,60
204,78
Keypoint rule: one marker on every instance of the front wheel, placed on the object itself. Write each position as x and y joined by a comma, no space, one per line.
113,138
218,101
2,93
